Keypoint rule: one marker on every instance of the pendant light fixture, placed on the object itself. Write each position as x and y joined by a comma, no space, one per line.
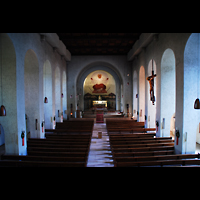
45,98
3,109
197,102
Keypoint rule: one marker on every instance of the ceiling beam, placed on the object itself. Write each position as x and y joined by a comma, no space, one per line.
98,37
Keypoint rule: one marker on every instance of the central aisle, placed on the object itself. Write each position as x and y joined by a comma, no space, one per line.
100,153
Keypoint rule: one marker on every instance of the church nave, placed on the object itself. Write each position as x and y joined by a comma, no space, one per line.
48,80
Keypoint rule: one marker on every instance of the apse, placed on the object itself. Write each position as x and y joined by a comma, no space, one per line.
99,90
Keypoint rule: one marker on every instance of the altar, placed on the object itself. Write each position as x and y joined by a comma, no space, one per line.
100,103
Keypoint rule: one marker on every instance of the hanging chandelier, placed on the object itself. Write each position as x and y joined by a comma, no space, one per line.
196,104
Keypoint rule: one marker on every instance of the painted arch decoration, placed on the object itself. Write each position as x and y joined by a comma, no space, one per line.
99,82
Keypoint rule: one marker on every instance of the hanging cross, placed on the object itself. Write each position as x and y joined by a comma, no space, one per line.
151,83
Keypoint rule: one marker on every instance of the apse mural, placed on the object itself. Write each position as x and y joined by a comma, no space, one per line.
99,82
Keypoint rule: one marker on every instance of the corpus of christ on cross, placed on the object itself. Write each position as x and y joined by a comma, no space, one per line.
151,83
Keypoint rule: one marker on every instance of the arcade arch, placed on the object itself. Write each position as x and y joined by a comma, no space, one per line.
64,94
31,87
142,94
94,67
135,95
191,116
9,123
168,91
102,85
47,92
57,94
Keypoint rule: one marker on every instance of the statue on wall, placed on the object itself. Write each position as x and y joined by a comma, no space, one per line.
151,83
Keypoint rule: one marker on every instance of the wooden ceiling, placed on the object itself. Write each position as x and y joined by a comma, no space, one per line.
99,43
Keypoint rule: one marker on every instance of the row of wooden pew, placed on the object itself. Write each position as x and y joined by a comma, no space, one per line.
134,146
136,150
66,148
123,126
72,127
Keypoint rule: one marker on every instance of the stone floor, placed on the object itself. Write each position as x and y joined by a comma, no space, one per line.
100,153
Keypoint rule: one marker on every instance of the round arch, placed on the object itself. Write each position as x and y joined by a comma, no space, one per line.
191,116
64,92
135,95
57,94
47,92
31,87
9,123
93,67
168,92
142,94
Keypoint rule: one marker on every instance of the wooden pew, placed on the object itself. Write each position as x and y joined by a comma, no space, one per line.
64,142
58,145
181,162
43,158
142,145
66,146
143,153
16,163
68,136
58,154
130,130
70,127
133,137
122,142
123,126
60,140
69,131
57,150
140,149
156,157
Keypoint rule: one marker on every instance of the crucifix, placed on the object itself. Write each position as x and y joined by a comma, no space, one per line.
151,83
